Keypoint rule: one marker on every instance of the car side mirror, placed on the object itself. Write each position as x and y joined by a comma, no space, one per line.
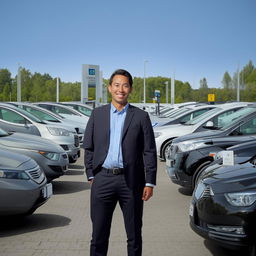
209,124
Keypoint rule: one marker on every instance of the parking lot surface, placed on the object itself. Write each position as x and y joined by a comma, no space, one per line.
62,226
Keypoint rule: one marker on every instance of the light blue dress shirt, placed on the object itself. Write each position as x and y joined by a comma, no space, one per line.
114,157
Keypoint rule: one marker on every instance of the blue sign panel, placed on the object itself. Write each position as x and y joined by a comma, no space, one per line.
91,72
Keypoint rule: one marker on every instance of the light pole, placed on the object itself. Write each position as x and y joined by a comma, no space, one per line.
166,86
144,82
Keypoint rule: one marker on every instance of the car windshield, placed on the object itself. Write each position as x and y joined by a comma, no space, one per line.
3,133
179,112
32,117
82,109
229,120
40,114
202,117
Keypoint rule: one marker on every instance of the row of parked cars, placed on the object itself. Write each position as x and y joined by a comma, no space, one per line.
37,143
211,150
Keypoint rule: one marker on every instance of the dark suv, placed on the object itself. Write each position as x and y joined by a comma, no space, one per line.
190,154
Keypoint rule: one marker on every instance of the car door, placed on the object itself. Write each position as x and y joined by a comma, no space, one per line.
12,121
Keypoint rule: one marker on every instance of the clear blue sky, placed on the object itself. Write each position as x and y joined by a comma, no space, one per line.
191,38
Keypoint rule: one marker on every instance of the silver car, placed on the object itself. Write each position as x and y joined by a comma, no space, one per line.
23,185
51,158
52,118
13,119
80,107
64,111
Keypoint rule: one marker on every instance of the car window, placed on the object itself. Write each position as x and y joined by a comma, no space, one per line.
84,110
248,128
193,115
41,115
202,117
60,110
13,117
236,116
219,121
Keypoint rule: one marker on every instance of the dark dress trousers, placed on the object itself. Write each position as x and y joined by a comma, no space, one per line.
140,165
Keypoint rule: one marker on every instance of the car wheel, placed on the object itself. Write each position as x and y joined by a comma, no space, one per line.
198,173
165,150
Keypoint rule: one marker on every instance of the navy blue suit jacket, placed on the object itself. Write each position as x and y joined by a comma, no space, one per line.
138,145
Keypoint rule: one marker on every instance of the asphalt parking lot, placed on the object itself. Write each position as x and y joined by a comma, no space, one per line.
62,226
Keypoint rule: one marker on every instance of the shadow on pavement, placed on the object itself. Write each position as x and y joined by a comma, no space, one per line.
68,187
10,226
74,172
74,166
217,250
185,191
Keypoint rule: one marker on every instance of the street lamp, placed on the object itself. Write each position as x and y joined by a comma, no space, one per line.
144,82
166,86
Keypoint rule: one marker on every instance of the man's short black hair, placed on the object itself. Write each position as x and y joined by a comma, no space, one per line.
121,72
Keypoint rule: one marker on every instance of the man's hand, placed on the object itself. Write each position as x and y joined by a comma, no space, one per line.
90,181
147,193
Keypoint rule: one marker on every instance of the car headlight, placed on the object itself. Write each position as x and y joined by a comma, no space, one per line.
10,174
157,134
187,146
241,198
58,131
50,155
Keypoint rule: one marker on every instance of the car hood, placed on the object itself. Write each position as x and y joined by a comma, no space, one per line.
31,142
235,178
199,135
13,161
174,129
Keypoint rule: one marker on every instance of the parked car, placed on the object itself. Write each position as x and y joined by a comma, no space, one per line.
80,107
210,120
52,118
189,154
23,185
65,111
51,158
223,207
183,115
13,119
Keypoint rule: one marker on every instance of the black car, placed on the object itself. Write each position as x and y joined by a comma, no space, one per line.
223,206
190,154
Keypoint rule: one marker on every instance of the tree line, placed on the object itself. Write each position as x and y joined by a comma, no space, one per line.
42,87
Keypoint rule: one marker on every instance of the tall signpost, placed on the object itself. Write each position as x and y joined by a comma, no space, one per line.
19,85
91,79
173,90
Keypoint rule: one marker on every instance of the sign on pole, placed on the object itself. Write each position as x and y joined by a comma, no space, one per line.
90,79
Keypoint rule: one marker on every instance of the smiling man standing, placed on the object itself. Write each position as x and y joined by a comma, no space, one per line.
121,165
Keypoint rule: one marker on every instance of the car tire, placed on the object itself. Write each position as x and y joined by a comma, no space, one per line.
198,173
165,149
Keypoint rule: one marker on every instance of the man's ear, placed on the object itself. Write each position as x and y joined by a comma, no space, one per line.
109,88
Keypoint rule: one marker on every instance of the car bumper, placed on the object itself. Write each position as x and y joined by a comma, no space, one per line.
208,226
22,196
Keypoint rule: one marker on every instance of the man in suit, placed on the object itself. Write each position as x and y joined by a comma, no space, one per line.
121,165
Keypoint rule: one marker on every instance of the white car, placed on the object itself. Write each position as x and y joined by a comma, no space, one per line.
13,119
209,120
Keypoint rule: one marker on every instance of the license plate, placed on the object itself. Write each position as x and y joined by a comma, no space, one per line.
47,190
191,210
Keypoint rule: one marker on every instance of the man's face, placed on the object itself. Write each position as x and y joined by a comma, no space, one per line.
120,89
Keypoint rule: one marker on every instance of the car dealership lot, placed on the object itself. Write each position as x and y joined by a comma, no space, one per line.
62,226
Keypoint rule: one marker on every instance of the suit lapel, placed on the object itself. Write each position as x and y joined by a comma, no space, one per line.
128,119
106,121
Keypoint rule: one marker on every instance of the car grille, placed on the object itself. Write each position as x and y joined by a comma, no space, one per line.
36,175
77,141
207,192
65,147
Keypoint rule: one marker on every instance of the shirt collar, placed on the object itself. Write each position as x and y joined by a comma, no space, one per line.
114,110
